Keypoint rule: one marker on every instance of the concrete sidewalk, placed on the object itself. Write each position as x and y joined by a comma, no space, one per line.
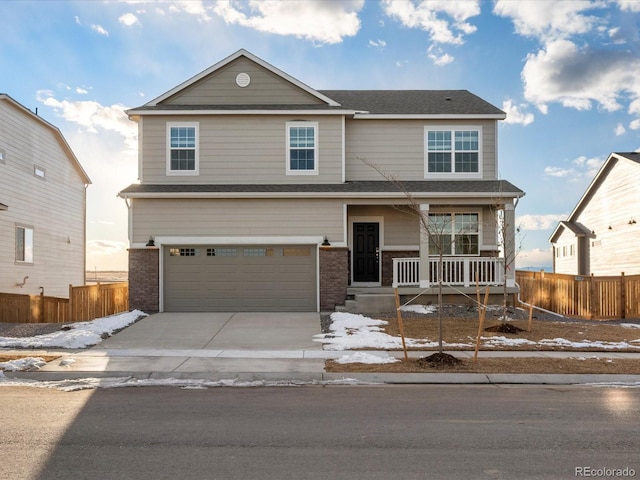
261,346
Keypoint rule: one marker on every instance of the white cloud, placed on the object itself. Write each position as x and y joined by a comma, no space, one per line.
81,91
437,56
99,29
548,20
191,7
377,44
93,116
620,130
581,167
630,5
105,247
445,21
635,125
322,21
561,72
516,113
128,19
77,20
535,257
539,222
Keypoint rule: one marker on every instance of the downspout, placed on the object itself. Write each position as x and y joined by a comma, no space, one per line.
84,240
533,306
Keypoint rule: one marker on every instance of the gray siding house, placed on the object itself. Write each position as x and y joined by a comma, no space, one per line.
600,236
258,192
42,206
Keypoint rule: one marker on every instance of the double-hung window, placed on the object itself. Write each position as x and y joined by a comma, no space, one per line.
24,244
302,148
453,234
182,149
453,152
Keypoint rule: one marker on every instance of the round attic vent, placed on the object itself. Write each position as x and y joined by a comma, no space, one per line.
243,79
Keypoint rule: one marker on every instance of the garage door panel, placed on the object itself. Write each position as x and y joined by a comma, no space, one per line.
240,278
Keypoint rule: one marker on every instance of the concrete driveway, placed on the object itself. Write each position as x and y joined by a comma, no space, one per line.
220,331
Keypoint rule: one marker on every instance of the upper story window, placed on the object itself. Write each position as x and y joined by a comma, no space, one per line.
454,234
182,149
2,156
453,152
302,148
24,244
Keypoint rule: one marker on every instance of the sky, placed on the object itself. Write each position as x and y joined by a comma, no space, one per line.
565,72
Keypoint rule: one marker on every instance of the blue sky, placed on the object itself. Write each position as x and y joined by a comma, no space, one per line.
566,72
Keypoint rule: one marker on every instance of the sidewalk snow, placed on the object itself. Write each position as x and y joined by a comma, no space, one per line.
22,364
80,335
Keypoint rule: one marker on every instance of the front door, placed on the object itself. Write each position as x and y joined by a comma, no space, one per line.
366,252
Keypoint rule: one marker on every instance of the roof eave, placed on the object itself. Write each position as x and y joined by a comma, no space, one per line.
139,112
428,116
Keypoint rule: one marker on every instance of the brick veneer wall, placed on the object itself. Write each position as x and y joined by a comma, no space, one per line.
387,264
144,279
334,276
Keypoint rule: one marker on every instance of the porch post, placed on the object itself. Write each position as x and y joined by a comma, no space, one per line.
424,246
510,243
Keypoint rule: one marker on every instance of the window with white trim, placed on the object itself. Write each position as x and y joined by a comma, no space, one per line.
182,149
24,244
453,151
454,234
302,148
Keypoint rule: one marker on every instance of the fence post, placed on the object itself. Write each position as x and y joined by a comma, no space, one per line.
70,308
41,315
592,297
623,297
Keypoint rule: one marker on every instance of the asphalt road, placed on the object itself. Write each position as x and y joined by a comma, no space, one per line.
380,432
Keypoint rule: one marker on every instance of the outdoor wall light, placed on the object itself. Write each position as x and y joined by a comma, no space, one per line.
150,243
610,227
325,243
632,221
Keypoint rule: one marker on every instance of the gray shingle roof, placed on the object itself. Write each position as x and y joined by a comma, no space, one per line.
496,187
390,102
634,156
447,102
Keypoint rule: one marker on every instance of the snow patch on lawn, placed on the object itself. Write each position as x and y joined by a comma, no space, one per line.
423,309
22,364
363,357
80,335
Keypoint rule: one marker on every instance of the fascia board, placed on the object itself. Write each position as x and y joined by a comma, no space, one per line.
428,116
231,58
134,112
316,195
595,183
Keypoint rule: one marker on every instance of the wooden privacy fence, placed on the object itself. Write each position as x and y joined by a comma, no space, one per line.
588,297
84,303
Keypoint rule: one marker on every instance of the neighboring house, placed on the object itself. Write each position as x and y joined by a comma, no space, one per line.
601,235
42,206
254,195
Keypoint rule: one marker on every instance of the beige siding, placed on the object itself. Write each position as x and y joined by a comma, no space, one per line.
238,149
220,88
401,226
54,207
615,203
398,147
237,218
566,253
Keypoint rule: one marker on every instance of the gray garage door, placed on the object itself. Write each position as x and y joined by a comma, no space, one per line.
239,278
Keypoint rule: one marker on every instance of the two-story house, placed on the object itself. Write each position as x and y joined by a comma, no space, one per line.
42,205
257,192
600,235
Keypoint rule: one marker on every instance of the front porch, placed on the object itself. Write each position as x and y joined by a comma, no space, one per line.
462,277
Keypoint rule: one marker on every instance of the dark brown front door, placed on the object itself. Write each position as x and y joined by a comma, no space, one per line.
366,252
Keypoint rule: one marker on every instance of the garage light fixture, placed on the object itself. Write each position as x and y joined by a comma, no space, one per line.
150,243
325,243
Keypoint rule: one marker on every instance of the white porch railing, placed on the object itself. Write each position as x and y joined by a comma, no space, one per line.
455,271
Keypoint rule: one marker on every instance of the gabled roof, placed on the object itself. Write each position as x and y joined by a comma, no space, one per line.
577,229
614,158
436,188
362,104
56,132
231,58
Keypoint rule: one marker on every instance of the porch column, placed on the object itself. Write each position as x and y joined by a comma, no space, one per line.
424,246
510,243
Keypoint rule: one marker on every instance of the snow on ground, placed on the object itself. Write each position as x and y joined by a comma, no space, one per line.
363,357
424,309
22,364
351,331
73,385
80,335
630,325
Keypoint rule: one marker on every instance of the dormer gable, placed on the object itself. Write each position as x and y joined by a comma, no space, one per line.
242,79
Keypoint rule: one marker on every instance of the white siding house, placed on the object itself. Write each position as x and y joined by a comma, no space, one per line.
42,206
601,236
